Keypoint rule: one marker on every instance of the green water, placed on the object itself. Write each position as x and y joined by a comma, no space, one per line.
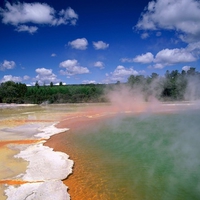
144,157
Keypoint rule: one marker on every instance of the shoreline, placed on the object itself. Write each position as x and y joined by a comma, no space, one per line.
88,119
46,144
37,181
14,105
83,121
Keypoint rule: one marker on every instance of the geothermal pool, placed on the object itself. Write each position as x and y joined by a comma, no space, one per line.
123,154
146,156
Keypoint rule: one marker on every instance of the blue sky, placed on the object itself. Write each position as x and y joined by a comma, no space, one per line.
96,41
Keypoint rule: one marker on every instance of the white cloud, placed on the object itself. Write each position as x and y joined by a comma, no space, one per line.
69,63
144,35
100,45
126,59
167,57
158,34
14,78
121,74
30,29
89,82
158,66
26,77
72,67
37,13
53,55
11,78
99,64
174,56
44,71
7,65
144,58
178,15
80,43
122,71
27,12
193,46
67,15
45,76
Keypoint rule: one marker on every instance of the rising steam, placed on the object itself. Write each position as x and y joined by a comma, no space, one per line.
150,96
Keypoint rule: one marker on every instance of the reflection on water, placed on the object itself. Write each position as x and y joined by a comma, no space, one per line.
137,157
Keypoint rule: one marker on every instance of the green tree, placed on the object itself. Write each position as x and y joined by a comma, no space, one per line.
12,92
37,84
51,84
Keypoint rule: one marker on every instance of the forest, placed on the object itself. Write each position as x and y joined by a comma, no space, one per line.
173,86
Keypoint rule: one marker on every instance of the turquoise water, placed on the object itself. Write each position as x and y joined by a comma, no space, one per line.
144,157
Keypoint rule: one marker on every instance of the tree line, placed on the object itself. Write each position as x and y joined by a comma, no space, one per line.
172,86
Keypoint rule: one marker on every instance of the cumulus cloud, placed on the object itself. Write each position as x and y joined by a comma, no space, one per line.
14,78
80,43
7,65
166,57
194,47
53,55
174,56
30,29
120,74
72,67
122,71
182,16
89,82
66,16
126,59
144,58
26,77
100,45
45,76
11,78
158,66
19,14
144,35
99,64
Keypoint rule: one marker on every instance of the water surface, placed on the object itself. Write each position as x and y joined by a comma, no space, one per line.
143,156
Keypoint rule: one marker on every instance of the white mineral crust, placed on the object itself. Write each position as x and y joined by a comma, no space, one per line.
45,171
48,190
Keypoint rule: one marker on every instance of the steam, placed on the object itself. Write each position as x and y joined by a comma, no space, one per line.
125,98
192,92
148,96
159,151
